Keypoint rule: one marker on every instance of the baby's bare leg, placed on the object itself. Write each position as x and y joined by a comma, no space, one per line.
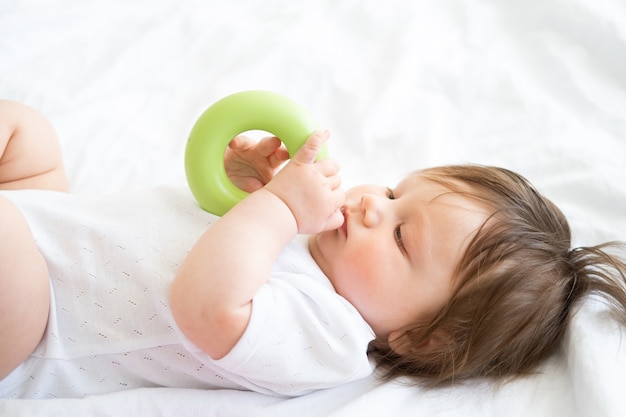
30,153
24,289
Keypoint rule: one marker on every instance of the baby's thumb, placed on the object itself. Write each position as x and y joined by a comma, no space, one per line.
307,153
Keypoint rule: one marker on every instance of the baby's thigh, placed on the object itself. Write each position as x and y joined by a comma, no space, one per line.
24,289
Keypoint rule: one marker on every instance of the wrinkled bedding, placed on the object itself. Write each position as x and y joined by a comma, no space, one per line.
538,87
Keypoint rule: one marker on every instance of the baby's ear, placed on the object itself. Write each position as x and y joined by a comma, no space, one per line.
405,342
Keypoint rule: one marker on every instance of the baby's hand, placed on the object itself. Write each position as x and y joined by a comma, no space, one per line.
311,189
250,165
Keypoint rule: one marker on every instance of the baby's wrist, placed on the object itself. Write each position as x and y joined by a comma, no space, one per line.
280,208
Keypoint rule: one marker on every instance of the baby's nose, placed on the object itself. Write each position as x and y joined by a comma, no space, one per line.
371,210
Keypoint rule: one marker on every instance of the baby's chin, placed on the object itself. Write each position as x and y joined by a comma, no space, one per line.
316,243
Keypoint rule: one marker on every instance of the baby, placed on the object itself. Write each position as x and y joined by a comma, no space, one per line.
457,272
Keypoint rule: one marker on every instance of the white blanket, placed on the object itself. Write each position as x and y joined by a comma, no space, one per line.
535,86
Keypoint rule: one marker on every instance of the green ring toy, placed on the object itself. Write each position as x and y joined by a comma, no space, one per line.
225,119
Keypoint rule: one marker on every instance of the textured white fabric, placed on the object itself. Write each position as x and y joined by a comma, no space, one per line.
112,259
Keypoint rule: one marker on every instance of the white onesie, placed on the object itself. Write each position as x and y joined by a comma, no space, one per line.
112,259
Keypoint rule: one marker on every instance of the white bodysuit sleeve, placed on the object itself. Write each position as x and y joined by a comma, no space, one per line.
301,337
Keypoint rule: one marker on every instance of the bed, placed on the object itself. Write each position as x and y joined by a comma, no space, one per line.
535,86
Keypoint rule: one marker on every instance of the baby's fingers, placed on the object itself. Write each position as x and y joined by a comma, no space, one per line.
268,145
328,166
307,153
335,220
241,143
334,182
278,157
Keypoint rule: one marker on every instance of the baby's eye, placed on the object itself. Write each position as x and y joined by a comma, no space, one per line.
397,234
390,194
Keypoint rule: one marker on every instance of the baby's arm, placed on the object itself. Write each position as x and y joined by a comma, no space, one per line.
211,297
30,154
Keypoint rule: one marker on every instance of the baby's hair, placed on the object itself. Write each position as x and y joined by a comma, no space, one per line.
516,287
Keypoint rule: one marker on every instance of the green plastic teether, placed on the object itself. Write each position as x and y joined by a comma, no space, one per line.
225,119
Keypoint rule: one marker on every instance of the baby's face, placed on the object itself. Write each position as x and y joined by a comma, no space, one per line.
395,255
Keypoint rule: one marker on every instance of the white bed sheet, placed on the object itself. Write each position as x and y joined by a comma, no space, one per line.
536,86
